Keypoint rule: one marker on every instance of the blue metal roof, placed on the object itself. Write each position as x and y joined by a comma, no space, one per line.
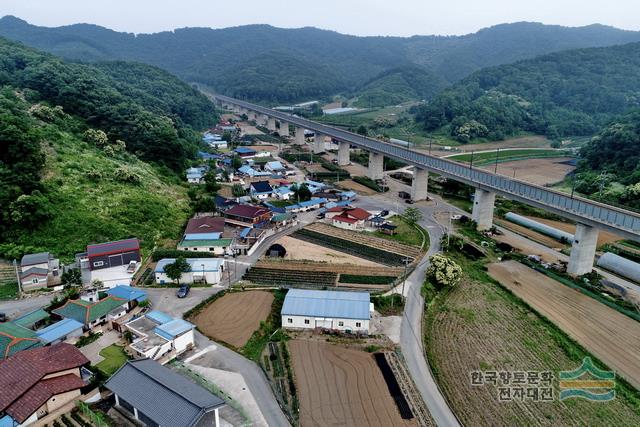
245,232
244,150
58,330
128,293
159,317
173,328
331,304
202,236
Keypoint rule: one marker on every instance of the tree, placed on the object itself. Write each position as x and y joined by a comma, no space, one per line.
443,271
238,191
236,162
71,277
362,130
412,215
302,193
175,269
211,181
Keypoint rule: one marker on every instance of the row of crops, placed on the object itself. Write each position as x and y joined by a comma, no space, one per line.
349,247
276,277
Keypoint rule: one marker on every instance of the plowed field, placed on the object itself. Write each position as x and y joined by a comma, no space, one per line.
234,317
341,387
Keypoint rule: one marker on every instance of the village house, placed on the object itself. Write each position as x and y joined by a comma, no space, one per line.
196,175
203,270
160,336
110,254
39,271
95,315
247,215
261,190
283,192
274,167
15,338
245,152
154,395
39,385
348,218
347,312
205,234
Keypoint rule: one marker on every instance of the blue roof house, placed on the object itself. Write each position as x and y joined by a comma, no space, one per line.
60,331
348,312
261,190
160,336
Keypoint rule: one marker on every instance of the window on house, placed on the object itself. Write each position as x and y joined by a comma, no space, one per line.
358,324
340,323
211,249
289,320
98,263
34,281
306,321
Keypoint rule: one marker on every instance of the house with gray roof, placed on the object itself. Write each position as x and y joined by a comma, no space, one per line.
348,312
155,395
39,271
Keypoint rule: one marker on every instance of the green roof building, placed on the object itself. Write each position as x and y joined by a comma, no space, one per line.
15,338
87,312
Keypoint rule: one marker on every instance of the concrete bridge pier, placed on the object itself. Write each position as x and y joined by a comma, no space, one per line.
376,165
420,184
284,128
300,135
343,154
583,250
482,214
271,123
318,143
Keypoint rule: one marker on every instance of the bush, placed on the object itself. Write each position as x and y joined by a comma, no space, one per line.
368,182
87,339
159,254
368,280
443,271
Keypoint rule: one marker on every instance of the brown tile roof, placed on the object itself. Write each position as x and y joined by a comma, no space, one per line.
246,211
22,372
357,213
36,396
205,224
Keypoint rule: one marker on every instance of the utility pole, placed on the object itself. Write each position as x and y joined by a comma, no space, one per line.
496,168
15,267
471,162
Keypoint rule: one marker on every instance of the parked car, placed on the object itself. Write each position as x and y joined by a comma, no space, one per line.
409,201
183,291
3,317
132,267
404,195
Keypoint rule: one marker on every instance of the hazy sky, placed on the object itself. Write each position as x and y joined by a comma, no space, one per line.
360,17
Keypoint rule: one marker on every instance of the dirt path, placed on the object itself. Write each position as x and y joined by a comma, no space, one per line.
611,336
341,387
234,317
300,250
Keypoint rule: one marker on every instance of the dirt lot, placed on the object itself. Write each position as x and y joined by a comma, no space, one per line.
247,129
338,386
234,317
526,247
480,326
535,171
297,249
348,184
603,236
266,147
613,337
315,168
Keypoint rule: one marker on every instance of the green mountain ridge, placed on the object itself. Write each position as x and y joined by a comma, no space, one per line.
568,93
310,62
91,153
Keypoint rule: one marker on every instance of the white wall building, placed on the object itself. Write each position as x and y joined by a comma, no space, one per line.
334,310
158,334
208,270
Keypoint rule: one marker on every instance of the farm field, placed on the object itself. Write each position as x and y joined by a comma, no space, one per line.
603,236
483,157
536,171
355,269
300,250
349,184
533,141
479,326
365,239
234,317
611,336
341,386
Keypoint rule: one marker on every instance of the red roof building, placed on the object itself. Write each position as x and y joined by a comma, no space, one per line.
113,254
37,382
205,224
348,218
247,215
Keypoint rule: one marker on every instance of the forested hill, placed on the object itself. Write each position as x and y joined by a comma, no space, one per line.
280,65
73,138
566,93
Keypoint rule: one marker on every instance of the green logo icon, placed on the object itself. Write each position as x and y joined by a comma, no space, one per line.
598,385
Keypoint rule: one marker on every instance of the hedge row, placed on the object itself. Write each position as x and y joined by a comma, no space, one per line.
159,254
366,280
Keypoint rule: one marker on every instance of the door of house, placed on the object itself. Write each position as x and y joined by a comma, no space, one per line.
324,323
115,260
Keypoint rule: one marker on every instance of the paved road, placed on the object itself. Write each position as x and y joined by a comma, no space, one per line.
16,308
411,333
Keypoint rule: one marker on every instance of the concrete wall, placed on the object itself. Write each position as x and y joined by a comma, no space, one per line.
184,342
212,277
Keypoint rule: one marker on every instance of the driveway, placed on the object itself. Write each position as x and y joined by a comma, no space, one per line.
16,308
165,299
92,351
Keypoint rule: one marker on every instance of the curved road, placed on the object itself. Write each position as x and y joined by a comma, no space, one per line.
411,333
